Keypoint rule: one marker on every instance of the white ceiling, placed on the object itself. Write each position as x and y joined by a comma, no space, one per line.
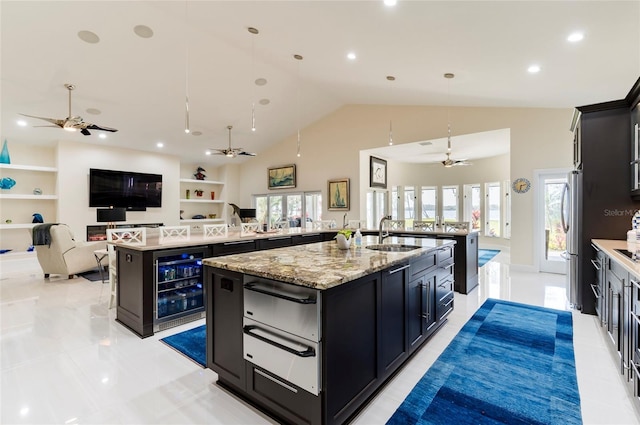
203,48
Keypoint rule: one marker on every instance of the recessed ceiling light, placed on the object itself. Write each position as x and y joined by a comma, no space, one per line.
575,37
88,37
390,2
391,78
253,30
22,123
143,31
207,153
102,136
160,144
94,111
534,69
264,101
351,56
261,82
298,57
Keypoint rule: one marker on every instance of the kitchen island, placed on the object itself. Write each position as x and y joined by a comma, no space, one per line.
308,334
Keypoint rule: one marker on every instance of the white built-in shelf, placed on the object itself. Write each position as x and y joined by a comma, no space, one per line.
29,168
24,196
202,220
17,226
200,181
203,201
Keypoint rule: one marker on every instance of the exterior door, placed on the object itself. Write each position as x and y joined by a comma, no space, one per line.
550,235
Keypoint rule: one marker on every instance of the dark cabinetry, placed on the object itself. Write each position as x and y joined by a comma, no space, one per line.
224,329
598,286
634,328
393,310
234,247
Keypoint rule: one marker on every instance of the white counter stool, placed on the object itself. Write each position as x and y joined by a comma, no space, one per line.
121,236
215,230
100,255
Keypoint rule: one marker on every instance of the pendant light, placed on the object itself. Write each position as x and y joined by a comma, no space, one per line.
299,59
391,78
253,31
187,130
448,163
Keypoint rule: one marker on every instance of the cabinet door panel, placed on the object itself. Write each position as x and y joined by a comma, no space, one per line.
393,317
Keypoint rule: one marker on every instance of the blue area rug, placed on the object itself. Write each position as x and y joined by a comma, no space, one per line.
191,343
484,255
511,363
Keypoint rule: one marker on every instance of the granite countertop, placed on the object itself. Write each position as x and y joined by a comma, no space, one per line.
323,265
609,247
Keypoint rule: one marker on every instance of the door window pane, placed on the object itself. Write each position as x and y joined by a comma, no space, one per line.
429,203
492,209
394,202
294,210
409,205
262,212
376,207
313,206
555,238
449,203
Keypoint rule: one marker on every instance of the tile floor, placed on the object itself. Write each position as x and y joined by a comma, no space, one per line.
64,360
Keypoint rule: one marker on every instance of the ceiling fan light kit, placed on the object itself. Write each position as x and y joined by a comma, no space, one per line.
231,152
448,163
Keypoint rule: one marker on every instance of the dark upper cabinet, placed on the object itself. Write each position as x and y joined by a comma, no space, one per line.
633,100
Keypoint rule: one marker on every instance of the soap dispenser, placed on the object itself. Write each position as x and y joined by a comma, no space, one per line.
358,239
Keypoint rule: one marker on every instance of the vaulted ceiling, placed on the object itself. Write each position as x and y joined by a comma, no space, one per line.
151,55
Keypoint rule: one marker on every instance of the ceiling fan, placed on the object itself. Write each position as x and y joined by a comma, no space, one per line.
452,162
71,123
231,152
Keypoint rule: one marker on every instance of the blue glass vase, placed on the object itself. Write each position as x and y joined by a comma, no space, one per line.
4,155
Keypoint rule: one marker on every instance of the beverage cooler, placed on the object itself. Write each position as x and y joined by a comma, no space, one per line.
178,291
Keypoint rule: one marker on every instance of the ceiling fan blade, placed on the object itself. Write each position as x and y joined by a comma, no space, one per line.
247,153
85,132
57,122
53,126
97,127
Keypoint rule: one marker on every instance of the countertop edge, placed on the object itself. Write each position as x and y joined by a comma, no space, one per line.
609,247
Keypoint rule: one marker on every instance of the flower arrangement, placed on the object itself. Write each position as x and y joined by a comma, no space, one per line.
343,238
345,232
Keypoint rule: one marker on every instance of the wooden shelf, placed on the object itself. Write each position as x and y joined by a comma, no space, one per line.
203,201
29,168
25,196
17,226
200,181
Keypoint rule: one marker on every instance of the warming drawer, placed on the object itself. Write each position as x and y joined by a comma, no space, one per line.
291,308
294,359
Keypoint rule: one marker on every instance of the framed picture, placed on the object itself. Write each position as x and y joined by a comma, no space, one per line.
377,172
282,177
338,195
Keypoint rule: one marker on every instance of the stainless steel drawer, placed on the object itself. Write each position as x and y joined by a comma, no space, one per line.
291,308
288,356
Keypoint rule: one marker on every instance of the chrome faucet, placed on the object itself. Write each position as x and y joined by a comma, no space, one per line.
381,235
344,221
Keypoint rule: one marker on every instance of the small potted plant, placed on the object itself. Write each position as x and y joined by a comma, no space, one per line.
344,238
199,192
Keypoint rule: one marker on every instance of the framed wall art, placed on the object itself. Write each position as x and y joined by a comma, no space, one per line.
338,195
377,172
282,177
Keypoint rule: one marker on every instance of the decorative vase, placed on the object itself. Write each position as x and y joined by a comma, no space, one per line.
4,155
343,243
213,196
188,193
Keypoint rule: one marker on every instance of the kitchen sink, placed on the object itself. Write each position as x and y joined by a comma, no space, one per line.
391,247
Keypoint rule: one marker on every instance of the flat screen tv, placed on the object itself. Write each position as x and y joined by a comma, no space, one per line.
124,189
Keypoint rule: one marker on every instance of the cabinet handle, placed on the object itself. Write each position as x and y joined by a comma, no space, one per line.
635,317
277,381
237,242
635,161
309,352
635,283
449,303
425,316
398,269
253,287
450,265
279,238
596,264
595,247
594,288
308,236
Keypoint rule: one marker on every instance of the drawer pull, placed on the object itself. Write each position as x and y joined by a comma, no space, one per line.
237,243
253,287
595,247
279,238
309,352
596,264
594,288
276,381
635,283
449,303
399,269
635,317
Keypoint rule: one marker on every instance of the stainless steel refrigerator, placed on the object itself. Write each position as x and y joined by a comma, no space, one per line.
571,212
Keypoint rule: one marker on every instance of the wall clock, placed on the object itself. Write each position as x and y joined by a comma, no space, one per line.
521,185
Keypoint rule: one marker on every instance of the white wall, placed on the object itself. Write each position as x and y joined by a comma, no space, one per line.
74,161
540,139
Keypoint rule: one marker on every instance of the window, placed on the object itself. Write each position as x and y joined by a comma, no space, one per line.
507,210
449,203
428,203
376,207
394,202
273,208
472,205
492,210
409,205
